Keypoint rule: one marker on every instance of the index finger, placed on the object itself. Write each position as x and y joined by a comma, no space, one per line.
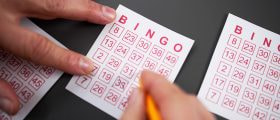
39,49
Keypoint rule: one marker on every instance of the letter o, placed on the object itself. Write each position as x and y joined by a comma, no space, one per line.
178,47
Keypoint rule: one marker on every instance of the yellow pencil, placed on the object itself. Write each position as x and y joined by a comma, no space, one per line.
152,111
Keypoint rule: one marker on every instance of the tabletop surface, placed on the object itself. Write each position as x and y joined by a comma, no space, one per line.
200,20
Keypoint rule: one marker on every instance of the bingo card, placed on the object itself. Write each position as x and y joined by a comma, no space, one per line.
242,81
30,81
123,49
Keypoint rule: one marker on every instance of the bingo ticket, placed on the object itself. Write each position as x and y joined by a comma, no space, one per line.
123,49
30,81
242,81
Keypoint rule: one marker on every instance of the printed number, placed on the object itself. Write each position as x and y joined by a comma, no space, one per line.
273,73
234,41
5,74
170,59
114,63
14,63
213,95
25,94
233,88
100,55
112,97
130,37
120,84
157,52
259,115
254,81
106,75
248,47
238,75
263,54
47,71
149,64
275,59
244,109
95,70
136,57
219,82
143,45
164,71
229,54
243,60
249,95
269,87
116,30
83,81
224,68
264,101
123,104
98,89
276,107
128,70
229,102
25,72
15,84
121,50
258,67
36,82
108,42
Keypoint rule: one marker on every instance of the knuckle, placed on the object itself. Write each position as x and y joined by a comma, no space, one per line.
54,5
40,47
70,59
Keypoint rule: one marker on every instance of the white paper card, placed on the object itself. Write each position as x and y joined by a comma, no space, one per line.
242,81
125,47
30,81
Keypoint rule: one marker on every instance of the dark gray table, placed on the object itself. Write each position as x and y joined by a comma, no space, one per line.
201,20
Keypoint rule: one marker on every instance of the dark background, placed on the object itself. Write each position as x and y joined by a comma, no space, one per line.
200,20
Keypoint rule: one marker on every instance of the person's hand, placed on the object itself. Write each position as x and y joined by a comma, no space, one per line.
38,49
171,101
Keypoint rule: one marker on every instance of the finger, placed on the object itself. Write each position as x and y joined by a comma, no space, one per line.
85,10
136,107
168,97
8,99
159,88
38,49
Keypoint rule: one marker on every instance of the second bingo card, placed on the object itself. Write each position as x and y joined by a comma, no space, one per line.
242,81
123,49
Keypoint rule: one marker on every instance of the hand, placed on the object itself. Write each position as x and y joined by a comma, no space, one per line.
38,49
171,101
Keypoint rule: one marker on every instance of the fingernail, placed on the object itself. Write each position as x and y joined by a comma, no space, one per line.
5,105
109,13
133,96
87,65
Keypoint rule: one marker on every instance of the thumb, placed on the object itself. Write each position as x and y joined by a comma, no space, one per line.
8,98
136,106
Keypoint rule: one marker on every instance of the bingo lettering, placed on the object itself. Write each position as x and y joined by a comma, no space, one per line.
246,82
122,50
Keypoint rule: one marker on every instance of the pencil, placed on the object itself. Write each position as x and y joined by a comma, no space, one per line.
152,111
